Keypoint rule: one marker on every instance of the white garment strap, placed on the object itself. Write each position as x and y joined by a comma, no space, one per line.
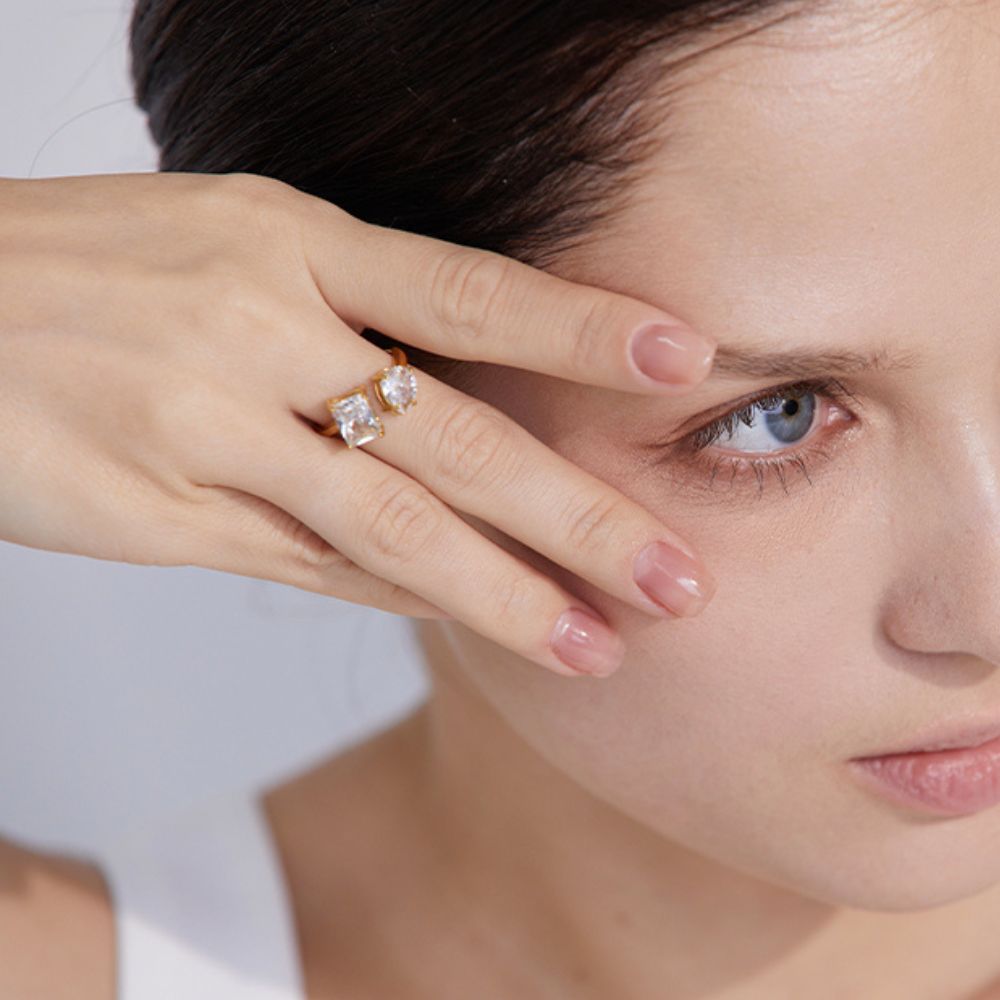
202,910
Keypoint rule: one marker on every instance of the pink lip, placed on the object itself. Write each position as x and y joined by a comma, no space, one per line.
952,782
949,771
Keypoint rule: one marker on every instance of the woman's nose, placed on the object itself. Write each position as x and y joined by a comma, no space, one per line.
944,595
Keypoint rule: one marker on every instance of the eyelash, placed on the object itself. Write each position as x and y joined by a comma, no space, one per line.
694,444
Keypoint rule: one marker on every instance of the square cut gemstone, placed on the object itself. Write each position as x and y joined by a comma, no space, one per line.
356,419
398,387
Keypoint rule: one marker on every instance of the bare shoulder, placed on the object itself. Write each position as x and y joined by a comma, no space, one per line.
57,928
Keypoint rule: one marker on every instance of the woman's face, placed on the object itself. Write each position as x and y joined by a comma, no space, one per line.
832,184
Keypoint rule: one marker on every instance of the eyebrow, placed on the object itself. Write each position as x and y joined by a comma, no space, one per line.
750,360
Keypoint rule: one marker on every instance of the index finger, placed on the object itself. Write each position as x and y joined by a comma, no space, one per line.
477,305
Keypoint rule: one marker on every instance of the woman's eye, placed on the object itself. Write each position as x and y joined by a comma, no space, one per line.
776,431
763,427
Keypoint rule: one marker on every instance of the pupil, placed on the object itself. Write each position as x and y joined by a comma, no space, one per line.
792,418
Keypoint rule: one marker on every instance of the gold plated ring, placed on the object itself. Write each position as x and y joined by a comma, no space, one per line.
354,417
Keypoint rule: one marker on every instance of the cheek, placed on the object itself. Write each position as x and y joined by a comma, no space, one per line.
722,729
701,711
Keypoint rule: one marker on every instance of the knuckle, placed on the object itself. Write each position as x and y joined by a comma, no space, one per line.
592,523
591,338
471,442
400,522
514,601
466,288
254,199
221,192
254,189
310,205
311,550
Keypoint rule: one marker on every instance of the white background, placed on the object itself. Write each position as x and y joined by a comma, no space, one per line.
127,692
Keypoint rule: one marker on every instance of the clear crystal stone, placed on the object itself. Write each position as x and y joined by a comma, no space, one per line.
399,387
356,420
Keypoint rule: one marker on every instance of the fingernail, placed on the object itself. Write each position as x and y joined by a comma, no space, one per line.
672,354
586,644
673,579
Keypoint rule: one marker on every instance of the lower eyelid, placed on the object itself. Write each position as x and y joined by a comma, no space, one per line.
701,470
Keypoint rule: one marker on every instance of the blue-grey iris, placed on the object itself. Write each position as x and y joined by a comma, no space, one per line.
792,418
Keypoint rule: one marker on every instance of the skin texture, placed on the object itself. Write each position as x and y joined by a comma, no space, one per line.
689,826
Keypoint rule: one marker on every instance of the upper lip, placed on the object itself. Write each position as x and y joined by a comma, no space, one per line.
952,734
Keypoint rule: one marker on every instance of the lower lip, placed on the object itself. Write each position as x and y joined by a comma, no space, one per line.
947,782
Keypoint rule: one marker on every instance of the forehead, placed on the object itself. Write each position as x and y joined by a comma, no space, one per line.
836,160
838,79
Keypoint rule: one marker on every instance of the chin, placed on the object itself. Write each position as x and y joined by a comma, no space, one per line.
921,868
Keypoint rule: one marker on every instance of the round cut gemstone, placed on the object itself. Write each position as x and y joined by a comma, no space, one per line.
399,387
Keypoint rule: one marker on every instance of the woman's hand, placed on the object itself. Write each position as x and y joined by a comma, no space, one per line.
168,341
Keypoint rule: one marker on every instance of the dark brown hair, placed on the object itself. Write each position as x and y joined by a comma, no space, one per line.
508,125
